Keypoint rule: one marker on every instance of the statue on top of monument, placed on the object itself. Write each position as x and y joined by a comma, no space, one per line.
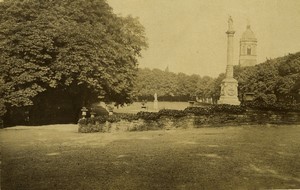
230,24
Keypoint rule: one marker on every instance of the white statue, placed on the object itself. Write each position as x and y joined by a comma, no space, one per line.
155,97
155,105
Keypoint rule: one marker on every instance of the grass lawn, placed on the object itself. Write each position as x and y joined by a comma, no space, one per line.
137,106
57,157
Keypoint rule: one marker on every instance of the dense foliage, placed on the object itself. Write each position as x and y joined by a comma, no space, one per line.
282,107
276,80
2,105
215,109
78,48
174,87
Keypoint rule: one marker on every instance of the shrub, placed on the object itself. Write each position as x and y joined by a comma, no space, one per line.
82,121
110,118
88,125
113,118
282,107
199,110
219,108
93,120
127,116
148,115
265,98
172,113
226,108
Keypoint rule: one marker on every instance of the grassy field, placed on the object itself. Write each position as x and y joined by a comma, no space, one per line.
57,157
137,106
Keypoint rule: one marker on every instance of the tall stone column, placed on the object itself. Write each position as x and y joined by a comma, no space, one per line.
229,91
230,35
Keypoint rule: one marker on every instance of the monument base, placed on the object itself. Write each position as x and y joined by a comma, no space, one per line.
229,95
155,105
229,100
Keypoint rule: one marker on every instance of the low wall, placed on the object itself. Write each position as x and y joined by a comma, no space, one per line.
215,120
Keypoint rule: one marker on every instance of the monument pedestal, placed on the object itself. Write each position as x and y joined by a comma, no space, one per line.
229,100
229,91
155,105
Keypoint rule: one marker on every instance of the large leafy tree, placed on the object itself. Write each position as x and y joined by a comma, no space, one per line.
276,79
76,47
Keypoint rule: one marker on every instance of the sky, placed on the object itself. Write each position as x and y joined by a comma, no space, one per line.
189,35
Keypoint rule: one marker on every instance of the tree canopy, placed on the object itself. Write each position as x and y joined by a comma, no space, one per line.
173,87
274,80
77,46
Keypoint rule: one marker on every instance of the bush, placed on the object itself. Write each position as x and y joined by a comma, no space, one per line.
110,118
148,115
127,116
225,108
281,107
221,108
88,125
93,120
172,113
266,98
199,110
113,118
154,116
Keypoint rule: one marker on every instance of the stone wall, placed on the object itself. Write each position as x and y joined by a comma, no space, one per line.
216,120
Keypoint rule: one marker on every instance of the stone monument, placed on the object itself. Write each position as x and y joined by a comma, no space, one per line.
155,105
229,91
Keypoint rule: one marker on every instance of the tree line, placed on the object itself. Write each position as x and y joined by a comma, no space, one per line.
170,86
275,80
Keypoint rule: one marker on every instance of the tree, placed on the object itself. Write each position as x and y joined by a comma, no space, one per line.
273,80
215,87
2,104
76,47
205,87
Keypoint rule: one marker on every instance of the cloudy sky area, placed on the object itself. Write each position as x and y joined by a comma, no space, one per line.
189,35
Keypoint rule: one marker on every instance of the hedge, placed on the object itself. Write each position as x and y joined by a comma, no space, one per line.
214,109
281,107
154,116
196,111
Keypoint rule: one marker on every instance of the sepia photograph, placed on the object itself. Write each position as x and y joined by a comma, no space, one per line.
149,94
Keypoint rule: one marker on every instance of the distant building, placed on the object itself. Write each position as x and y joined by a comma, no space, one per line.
248,45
